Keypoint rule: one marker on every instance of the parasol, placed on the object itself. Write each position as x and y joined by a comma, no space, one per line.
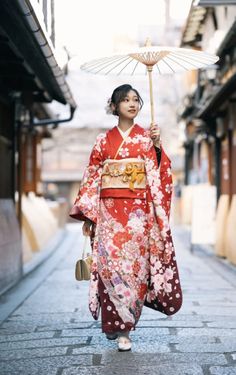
149,59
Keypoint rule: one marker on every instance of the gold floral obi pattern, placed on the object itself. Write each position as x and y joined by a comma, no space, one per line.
124,174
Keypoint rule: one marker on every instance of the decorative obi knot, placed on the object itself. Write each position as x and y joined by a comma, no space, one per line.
123,174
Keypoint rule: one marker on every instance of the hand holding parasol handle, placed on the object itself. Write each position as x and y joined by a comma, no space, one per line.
155,135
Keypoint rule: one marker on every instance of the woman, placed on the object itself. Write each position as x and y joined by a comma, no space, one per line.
124,201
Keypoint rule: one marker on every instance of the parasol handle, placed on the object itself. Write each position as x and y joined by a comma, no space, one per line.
149,69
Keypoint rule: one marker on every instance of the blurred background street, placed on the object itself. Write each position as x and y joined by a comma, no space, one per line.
50,115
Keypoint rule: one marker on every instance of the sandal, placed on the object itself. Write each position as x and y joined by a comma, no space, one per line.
124,344
111,336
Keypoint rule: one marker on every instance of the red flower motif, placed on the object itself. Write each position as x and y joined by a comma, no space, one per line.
160,224
142,251
154,250
136,267
120,238
115,253
142,291
106,273
139,238
167,257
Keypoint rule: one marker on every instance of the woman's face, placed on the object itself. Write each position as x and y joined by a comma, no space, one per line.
128,108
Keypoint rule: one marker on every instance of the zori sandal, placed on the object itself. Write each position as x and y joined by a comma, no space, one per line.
111,336
124,344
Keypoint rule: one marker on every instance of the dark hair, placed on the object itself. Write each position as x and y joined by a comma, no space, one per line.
119,95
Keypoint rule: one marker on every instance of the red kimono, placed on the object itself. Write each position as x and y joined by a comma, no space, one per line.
127,196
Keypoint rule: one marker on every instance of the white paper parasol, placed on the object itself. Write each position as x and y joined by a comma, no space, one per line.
148,59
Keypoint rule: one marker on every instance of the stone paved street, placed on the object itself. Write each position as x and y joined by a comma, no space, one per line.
52,331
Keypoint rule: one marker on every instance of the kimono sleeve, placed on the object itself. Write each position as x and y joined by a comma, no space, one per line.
86,204
159,179
164,290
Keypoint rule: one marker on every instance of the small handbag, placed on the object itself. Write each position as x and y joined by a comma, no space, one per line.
83,265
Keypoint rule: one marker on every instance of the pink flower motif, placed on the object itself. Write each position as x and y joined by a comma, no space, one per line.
124,152
156,267
158,281
109,202
151,296
167,287
138,237
168,275
127,293
127,267
120,289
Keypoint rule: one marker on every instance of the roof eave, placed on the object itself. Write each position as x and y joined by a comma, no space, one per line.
34,46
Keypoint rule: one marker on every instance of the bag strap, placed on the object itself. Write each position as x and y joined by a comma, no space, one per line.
84,246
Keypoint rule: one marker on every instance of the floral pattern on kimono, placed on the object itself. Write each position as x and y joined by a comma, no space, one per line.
133,252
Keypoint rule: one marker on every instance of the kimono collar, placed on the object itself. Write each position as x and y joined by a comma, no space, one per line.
126,133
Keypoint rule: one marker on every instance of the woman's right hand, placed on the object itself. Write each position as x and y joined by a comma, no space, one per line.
87,227
155,134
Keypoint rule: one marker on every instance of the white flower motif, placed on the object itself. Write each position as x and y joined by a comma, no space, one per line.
156,267
168,172
168,188
100,139
124,152
167,287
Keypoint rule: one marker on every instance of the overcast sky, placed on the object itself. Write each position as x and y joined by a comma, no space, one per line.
88,28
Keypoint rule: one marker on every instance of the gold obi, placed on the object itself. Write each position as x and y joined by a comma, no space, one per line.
124,174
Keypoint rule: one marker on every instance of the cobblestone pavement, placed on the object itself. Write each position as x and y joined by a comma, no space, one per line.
52,331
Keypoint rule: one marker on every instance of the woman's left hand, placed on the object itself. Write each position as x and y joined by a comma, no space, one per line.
155,134
87,229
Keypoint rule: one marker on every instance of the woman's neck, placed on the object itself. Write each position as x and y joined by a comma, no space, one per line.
125,124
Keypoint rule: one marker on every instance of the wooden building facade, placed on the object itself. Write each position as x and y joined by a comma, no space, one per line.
209,115
29,77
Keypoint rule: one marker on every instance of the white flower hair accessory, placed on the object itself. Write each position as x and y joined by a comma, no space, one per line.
108,107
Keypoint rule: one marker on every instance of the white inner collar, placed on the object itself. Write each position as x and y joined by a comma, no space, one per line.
125,133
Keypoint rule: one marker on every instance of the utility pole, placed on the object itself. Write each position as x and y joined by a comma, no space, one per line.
167,22
167,14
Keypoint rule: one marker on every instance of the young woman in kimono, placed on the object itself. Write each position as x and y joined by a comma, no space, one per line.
124,201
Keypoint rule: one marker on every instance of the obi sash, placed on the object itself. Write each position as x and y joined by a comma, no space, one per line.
124,174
